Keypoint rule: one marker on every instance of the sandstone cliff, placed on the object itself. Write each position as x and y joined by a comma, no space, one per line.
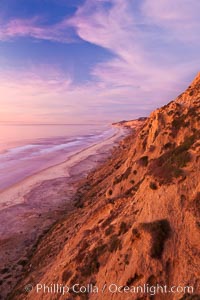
137,218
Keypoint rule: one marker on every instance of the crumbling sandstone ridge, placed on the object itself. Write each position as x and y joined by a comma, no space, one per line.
137,217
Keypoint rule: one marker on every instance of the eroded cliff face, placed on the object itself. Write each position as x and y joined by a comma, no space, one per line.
137,218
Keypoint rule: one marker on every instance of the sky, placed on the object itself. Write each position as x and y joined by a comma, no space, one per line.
94,61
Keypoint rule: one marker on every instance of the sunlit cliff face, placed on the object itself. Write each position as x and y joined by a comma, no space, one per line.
136,218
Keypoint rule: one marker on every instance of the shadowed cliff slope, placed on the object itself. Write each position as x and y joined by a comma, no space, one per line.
137,217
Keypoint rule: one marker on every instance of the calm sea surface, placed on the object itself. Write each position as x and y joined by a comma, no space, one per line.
27,149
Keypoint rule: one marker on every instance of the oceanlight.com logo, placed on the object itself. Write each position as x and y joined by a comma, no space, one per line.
112,288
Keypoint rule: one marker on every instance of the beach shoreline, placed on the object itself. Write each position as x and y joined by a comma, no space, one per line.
15,191
29,208
35,155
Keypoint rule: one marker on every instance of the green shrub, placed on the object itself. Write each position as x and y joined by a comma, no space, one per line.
167,146
160,231
122,177
171,112
110,192
152,148
181,159
114,243
4,270
126,174
109,230
191,297
91,263
192,112
123,228
143,161
90,267
196,205
136,234
179,122
109,219
134,279
169,164
153,186
118,165
191,93
66,275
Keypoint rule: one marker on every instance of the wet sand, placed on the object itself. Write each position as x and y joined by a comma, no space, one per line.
29,208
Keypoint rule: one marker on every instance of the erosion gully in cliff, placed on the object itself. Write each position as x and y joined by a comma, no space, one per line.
137,217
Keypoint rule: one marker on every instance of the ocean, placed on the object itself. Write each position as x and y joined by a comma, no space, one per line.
28,149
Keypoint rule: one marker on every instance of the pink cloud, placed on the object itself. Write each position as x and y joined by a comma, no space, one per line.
180,18
33,28
117,30
51,96
106,28
137,79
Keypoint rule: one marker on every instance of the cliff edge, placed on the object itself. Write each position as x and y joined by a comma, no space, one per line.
137,217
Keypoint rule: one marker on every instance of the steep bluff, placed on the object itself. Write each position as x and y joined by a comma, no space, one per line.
137,217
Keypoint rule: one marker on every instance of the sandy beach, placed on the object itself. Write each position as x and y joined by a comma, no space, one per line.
29,208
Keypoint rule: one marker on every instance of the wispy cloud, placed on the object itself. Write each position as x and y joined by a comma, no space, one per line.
50,96
35,28
179,18
135,35
155,51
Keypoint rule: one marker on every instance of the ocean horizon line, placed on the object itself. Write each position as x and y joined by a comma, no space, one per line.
54,124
